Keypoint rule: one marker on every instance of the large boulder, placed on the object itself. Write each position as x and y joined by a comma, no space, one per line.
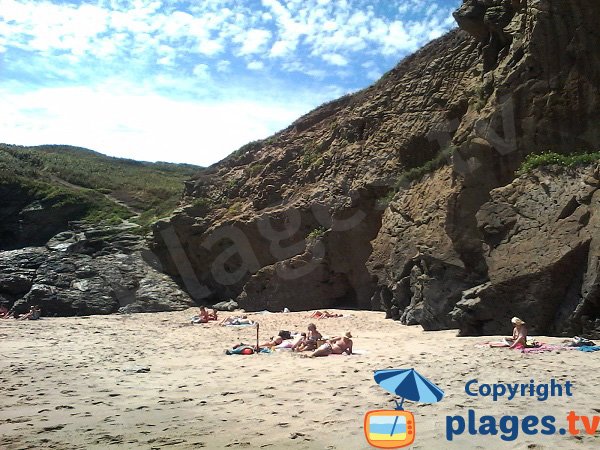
88,271
542,249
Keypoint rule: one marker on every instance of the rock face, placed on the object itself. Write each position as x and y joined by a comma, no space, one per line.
541,236
93,271
254,213
391,198
538,91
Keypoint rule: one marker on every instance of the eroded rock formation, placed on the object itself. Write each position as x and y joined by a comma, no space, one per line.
330,195
541,239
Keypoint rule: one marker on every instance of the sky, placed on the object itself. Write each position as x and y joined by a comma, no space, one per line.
192,81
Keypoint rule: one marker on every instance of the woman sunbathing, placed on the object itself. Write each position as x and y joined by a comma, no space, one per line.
335,346
243,320
324,315
4,311
204,316
519,334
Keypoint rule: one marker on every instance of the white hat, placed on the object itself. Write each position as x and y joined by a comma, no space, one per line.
517,321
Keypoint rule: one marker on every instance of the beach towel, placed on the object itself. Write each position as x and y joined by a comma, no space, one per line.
541,348
589,348
239,324
354,353
288,343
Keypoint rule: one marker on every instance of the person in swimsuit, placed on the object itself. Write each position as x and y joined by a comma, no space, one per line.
34,313
519,333
336,346
4,310
243,320
324,315
275,340
310,340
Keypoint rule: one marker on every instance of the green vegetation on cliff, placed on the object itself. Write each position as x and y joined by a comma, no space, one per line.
110,189
550,158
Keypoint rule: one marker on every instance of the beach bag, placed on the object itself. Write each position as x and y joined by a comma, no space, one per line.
241,350
582,342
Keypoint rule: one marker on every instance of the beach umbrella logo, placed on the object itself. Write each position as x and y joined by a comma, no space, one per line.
396,428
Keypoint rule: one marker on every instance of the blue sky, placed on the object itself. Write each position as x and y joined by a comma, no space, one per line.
191,81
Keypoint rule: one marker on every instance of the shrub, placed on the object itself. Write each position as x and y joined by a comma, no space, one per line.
550,158
317,233
249,147
235,208
255,169
203,202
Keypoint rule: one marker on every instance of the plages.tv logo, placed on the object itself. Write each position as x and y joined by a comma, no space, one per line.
396,428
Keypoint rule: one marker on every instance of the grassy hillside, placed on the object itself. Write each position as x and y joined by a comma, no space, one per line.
110,188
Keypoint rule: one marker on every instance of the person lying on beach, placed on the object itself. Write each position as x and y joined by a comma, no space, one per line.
243,320
335,346
3,311
34,314
310,340
10,314
276,340
519,335
324,315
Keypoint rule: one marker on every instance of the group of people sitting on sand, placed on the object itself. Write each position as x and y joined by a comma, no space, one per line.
311,340
206,315
35,312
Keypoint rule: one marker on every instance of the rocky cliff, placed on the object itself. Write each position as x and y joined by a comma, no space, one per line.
403,196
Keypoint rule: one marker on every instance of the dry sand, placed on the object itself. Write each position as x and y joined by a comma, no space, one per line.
63,385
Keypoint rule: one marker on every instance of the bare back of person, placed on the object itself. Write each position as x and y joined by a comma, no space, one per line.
343,344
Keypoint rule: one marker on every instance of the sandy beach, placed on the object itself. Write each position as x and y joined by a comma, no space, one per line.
71,383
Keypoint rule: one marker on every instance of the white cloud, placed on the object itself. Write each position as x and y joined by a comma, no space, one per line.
283,48
132,123
253,41
223,66
133,60
255,65
201,71
335,59
210,47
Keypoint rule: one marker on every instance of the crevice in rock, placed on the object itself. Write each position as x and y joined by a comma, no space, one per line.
569,208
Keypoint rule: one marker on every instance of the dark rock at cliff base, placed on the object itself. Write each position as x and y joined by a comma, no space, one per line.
88,271
229,305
